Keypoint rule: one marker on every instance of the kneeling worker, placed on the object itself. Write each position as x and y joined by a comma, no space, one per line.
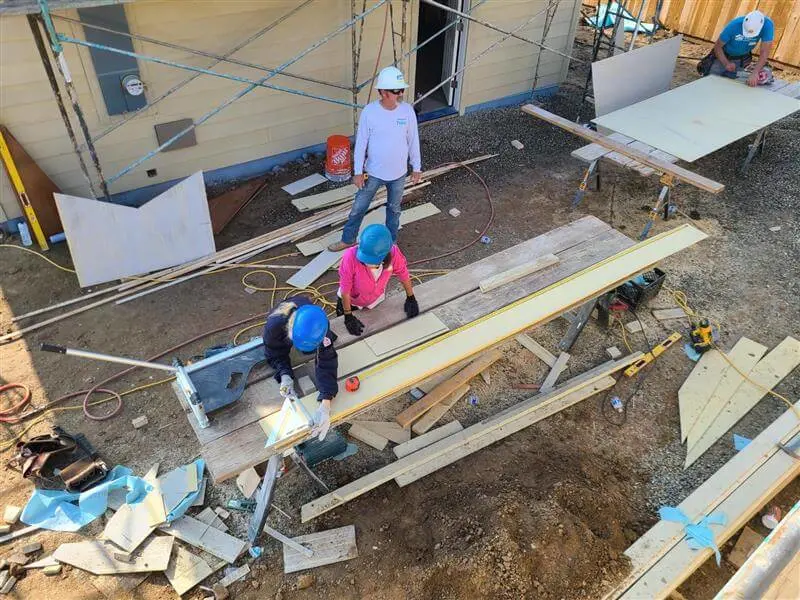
365,271
732,50
298,322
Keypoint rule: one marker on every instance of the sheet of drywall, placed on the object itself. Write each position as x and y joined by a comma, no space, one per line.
109,241
631,77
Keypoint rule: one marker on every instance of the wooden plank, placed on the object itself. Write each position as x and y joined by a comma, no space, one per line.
668,314
739,507
367,436
97,557
579,244
700,117
664,535
110,241
227,457
695,391
186,570
430,418
661,166
504,419
536,348
419,329
421,441
388,429
559,366
213,541
768,373
223,208
744,355
494,435
330,546
590,152
306,183
537,264
444,389
323,199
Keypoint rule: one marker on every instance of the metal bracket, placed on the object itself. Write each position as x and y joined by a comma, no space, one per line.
757,147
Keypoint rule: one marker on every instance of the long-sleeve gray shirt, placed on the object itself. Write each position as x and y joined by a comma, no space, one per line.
388,139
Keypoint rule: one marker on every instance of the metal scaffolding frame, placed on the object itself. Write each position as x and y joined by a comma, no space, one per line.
355,24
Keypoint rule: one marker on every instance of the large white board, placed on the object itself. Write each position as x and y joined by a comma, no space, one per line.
109,241
631,77
700,117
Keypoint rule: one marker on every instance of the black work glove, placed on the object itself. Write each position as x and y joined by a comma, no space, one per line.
411,307
354,326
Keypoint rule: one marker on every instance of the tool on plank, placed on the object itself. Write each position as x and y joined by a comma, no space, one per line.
657,351
702,336
289,408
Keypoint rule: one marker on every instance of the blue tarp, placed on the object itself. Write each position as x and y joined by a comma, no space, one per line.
608,16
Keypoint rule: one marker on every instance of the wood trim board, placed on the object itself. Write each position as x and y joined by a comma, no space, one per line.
421,441
504,419
537,264
697,388
418,364
430,418
555,372
388,429
535,347
662,166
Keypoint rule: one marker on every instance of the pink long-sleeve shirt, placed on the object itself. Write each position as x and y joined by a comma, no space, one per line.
356,279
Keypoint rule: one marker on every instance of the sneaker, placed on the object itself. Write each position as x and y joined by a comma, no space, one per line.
339,246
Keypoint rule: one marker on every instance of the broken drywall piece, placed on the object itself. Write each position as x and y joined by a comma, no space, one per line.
186,570
110,241
97,557
235,575
248,482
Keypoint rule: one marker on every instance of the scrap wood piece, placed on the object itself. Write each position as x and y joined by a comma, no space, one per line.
668,314
538,350
559,366
215,542
501,279
186,570
704,183
97,557
306,183
525,420
330,546
421,441
444,389
696,390
430,418
504,419
768,373
744,355
223,208
742,503
367,436
708,497
747,542
388,429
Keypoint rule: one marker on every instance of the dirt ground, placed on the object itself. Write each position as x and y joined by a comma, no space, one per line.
545,513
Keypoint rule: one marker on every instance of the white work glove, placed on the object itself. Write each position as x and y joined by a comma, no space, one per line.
322,420
287,387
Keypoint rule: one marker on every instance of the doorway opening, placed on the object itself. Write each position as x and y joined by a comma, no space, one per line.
438,60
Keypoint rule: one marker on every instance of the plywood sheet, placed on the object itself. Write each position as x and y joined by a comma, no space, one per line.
634,76
700,117
109,241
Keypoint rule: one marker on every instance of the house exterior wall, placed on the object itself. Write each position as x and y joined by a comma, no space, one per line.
263,123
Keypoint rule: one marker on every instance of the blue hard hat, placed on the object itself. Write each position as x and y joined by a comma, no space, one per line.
309,327
374,244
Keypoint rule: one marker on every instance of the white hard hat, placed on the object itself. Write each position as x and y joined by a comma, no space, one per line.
752,24
391,78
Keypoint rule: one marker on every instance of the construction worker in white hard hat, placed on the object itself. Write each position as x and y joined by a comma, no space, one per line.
386,141
732,50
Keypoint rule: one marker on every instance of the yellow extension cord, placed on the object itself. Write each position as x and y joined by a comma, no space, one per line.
42,256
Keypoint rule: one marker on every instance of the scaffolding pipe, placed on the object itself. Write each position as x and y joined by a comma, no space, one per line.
63,69
488,25
33,22
552,8
219,58
194,76
201,70
246,90
354,64
477,57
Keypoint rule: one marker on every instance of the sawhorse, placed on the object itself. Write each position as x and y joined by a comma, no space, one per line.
757,147
663,207
579,319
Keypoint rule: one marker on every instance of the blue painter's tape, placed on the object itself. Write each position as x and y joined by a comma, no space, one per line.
513,100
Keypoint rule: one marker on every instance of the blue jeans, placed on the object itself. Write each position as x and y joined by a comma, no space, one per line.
363,199
717,68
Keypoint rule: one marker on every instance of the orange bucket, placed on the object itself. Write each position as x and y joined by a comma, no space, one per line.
338,160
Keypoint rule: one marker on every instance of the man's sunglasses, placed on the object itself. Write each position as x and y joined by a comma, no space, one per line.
396,92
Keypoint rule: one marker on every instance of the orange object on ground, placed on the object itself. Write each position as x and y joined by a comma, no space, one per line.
352,384
338,159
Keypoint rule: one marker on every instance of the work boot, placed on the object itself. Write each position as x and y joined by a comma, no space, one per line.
339,246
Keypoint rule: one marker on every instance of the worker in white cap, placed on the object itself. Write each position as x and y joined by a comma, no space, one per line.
732,50
386,141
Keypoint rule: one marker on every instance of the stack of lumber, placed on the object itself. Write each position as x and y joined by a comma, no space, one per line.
716,395
238,253
662,559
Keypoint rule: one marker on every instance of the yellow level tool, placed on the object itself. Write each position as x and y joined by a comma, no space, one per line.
16,181
658,349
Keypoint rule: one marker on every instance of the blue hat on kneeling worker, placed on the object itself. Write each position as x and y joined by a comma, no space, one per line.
374,244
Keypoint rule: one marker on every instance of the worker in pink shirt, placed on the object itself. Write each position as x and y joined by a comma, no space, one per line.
364,273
